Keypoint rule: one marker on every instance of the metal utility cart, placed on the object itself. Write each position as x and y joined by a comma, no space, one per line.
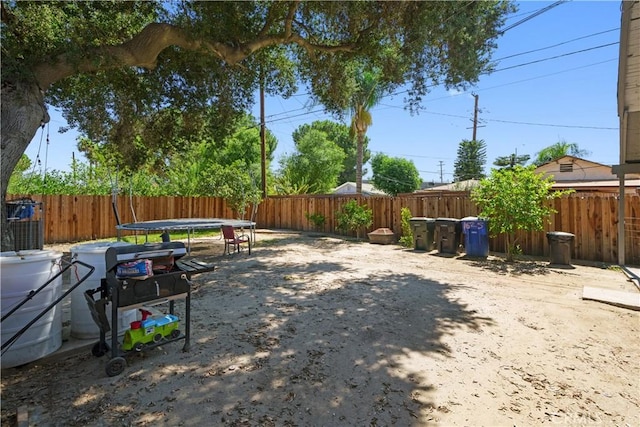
168,281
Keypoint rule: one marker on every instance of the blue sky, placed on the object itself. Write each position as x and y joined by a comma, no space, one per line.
535,99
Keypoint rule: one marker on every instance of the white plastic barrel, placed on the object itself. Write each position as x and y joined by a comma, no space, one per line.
20,273
82,324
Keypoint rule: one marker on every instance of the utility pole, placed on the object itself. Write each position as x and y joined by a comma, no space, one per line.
263,148
475,116
441,163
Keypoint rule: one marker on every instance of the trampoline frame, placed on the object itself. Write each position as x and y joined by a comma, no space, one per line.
184,224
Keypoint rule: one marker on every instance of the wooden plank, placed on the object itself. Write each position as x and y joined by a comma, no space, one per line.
630,300
606,229
632,230
598,238
22,419
589,231
194,266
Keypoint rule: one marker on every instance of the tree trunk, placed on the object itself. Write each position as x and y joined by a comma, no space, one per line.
359,158
23,112
509,247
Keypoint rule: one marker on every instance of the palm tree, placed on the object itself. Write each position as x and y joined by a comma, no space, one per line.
367,95
557,150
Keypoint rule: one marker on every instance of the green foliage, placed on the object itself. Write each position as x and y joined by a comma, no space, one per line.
394,175
369,89
353,217
317,219
406,239
244,145
316,163
511,160
469,164
285,184
227,169
514,199
82,179
239,189
114,67
341,136
557,150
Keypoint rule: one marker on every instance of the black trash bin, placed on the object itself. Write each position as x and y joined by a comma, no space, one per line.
25,221
422,229
560,247
476,236
448,231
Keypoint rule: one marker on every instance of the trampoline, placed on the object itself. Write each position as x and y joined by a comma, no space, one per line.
184,224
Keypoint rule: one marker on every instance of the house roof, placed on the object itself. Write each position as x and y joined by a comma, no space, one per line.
454,186
350,188
580,170
582,185
565,159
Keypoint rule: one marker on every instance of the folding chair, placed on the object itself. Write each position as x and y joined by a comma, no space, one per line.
231,239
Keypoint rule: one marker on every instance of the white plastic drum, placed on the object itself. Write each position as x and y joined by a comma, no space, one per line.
20,273
82,324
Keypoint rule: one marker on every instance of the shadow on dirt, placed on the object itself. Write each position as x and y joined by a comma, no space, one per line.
273,343
515,268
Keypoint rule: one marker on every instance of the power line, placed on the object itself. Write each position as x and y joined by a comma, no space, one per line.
388,178
500,69
533,15
556,57
477,90
539,77
410,155
523,64
518,81
513,122
557,44
553,125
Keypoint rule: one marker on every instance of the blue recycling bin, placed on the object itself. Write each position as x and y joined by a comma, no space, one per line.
476,236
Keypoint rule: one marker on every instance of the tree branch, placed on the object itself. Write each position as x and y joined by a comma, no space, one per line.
288,21
143,50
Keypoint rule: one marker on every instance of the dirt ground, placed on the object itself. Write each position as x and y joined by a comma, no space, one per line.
314,330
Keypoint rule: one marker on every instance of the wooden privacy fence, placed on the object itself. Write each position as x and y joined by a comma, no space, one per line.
592,218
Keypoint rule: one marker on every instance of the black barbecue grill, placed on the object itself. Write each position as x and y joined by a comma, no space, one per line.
168,280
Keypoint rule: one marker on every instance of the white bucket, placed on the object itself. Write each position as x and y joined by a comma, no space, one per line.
82,324
20,273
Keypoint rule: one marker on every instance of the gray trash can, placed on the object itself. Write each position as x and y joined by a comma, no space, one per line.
448,231
422,229
560,247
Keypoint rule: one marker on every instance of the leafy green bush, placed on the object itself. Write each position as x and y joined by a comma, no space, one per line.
317,219
406,239
515,199
353,217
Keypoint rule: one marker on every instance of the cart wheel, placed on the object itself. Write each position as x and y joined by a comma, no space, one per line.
138,346
157,338
116,366
99,349
175,333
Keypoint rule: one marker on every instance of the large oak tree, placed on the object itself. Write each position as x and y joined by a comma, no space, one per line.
114,68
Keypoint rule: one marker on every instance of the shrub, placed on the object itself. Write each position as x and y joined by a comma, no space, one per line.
406,239
515,199
353,217
317,219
